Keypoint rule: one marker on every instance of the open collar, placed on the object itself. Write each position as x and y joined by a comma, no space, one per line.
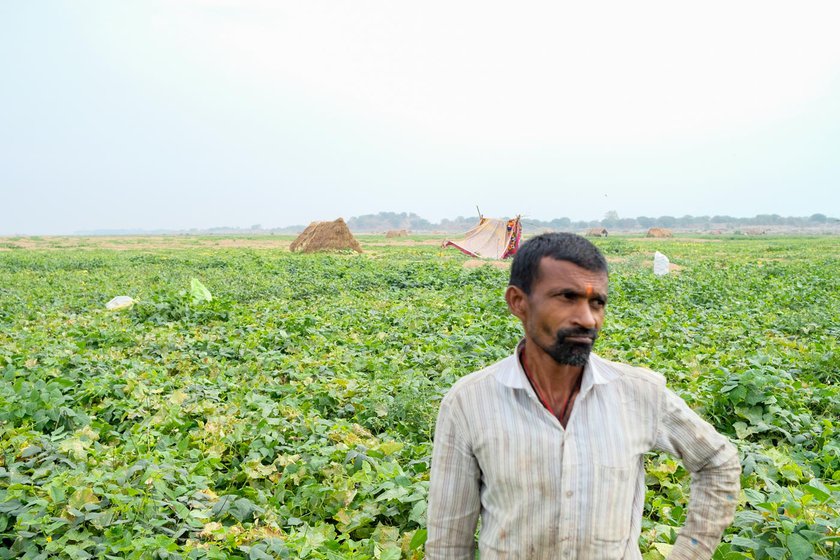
511,374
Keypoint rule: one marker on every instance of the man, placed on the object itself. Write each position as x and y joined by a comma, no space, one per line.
547,445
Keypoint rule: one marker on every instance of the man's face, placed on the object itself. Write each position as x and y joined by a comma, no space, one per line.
564,311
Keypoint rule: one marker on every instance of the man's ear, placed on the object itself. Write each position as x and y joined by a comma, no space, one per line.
517,302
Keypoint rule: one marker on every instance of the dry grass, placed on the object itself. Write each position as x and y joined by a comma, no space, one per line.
325,236
659,232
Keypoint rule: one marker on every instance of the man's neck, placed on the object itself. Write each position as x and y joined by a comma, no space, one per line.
558,382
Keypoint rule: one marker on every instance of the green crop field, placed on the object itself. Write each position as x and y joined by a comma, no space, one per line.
291,416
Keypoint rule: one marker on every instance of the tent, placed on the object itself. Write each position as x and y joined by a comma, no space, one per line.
325,236
490,239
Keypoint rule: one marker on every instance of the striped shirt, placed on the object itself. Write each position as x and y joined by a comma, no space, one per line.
543,491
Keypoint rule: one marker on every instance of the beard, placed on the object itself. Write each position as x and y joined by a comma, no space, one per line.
569,353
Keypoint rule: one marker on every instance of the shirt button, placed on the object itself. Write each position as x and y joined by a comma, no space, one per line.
569,494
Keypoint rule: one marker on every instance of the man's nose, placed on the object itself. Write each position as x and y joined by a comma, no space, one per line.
584,317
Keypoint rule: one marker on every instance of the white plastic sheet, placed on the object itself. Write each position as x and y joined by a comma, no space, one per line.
119,302
661,264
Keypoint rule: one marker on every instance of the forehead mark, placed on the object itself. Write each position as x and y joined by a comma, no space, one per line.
589,290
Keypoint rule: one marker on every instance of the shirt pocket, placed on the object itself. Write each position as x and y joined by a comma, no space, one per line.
612,505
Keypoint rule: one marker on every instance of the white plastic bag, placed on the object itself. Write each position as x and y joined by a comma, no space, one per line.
119,302
661,264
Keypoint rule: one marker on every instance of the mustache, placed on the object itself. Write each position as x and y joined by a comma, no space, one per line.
562,334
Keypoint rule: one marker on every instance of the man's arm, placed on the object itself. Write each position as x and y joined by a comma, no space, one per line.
454,501
715,477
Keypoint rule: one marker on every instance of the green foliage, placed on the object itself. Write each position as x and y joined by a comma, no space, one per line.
290,415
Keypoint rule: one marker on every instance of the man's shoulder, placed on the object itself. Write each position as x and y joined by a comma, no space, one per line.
629,373
479,380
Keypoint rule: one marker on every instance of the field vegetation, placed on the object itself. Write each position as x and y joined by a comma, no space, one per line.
291,416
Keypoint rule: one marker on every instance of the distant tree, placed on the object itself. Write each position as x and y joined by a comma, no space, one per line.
383,221
666,221
818,218
610,219
690,221
560,223
767,220
417,223
646,222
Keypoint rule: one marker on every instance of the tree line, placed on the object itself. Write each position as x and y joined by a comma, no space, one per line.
384,221
409,221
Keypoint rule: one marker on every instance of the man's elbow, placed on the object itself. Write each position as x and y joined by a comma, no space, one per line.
725,482
732,464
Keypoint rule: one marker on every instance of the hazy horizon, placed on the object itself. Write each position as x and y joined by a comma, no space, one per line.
386,221
209,113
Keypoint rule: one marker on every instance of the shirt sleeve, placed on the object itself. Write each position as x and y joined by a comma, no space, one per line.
454,501
715,477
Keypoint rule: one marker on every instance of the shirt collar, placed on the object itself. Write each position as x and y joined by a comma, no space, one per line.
596,372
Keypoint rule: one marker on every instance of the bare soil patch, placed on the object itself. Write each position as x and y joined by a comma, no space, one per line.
402,243
128,243
677,239
253,243
475,263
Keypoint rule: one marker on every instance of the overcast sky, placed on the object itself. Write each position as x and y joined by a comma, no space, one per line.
200,113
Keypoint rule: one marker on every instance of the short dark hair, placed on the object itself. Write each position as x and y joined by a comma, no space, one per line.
559,246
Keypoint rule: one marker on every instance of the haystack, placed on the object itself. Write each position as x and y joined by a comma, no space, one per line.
325,236
659,232
396,233
597,232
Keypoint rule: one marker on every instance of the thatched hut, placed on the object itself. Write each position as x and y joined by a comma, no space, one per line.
396,233
597,232
659,232
325,236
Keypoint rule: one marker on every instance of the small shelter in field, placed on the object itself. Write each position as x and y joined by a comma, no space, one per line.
490,239
396,233
325,236
597,232
659,232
